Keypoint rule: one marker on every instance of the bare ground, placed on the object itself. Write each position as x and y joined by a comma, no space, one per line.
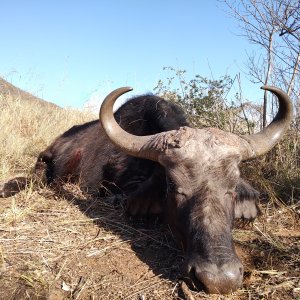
75,247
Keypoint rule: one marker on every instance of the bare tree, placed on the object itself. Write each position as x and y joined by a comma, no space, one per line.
273,25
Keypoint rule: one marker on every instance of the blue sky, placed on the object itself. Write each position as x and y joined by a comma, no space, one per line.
68,51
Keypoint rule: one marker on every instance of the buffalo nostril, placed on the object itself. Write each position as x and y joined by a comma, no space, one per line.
241,269
208,281
219,280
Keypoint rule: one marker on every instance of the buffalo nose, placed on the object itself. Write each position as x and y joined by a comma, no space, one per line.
223,279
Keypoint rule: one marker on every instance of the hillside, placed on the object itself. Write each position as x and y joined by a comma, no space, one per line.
10,91
28,125
68,245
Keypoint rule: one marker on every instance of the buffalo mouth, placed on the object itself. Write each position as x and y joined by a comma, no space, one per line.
213,278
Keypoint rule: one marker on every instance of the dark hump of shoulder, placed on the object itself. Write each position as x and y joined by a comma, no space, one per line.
77,129
149,114
142,115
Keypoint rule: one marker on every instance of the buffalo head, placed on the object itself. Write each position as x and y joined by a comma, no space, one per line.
202,172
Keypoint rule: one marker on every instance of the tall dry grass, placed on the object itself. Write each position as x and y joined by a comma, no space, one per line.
277,174
27,128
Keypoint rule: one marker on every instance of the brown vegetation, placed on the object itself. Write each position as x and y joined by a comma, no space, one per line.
67,245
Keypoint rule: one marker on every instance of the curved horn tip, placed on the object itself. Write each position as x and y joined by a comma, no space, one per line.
270,88
115,94
127,88
265,87
120,91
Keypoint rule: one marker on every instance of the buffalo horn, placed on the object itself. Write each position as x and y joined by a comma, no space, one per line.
129,143
265,140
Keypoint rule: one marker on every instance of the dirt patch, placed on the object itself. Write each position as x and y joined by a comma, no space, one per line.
76,247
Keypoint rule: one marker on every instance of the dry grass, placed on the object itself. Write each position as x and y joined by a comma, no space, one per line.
70,246
27,128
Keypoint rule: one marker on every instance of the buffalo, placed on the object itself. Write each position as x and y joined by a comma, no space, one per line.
149,153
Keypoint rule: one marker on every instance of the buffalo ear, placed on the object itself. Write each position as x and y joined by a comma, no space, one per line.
12,186
246,206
